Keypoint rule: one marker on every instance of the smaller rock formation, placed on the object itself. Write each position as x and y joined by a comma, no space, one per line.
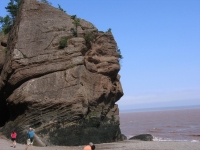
142,137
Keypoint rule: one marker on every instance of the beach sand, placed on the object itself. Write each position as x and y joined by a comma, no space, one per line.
6,144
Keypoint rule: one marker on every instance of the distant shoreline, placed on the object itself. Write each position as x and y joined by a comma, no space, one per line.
159,109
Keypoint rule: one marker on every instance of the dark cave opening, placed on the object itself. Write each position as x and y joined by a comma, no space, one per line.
4,111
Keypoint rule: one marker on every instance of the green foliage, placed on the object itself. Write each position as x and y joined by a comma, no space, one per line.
76,22
59,7
24,56
109,30
119,53
72,66
74,32
88,39
45,1
73,17
7,21
6,24
13,7
5,49
63,43
93,114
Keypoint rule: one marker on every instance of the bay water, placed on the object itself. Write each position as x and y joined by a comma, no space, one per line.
164,125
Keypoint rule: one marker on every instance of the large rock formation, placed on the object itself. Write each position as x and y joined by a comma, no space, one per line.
68,95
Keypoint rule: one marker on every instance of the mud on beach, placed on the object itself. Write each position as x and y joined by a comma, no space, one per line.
6,144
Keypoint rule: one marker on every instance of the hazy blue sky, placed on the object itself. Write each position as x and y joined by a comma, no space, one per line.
160,43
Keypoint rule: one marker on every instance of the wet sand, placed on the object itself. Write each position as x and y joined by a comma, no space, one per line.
6,144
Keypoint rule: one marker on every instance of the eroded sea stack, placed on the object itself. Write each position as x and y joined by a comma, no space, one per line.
68,93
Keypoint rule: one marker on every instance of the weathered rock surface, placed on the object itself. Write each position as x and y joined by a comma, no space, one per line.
142,137
3,49
68,95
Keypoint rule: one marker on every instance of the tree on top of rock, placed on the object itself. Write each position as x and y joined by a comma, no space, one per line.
6,24
76,22
7,21
60,8
13,7
45,1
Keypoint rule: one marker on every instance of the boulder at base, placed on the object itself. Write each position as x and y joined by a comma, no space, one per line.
142,137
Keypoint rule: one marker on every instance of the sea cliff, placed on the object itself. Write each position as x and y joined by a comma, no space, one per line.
59,75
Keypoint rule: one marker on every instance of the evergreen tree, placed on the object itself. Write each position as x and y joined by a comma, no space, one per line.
7,21
119,53
6,24
13,7
45,1
59,7
76,22
109,30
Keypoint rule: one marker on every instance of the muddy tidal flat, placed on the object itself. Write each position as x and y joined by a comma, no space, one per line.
6,144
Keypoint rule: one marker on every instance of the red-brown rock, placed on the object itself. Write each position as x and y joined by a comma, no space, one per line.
68,95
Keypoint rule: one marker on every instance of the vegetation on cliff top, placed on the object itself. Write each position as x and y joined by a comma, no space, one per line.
13,8
8,20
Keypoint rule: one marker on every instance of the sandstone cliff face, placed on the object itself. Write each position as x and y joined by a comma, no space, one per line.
68,95
3,49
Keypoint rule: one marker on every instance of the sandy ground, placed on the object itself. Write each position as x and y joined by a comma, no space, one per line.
6,144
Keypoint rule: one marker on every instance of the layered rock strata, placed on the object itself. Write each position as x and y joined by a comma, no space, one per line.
67,94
